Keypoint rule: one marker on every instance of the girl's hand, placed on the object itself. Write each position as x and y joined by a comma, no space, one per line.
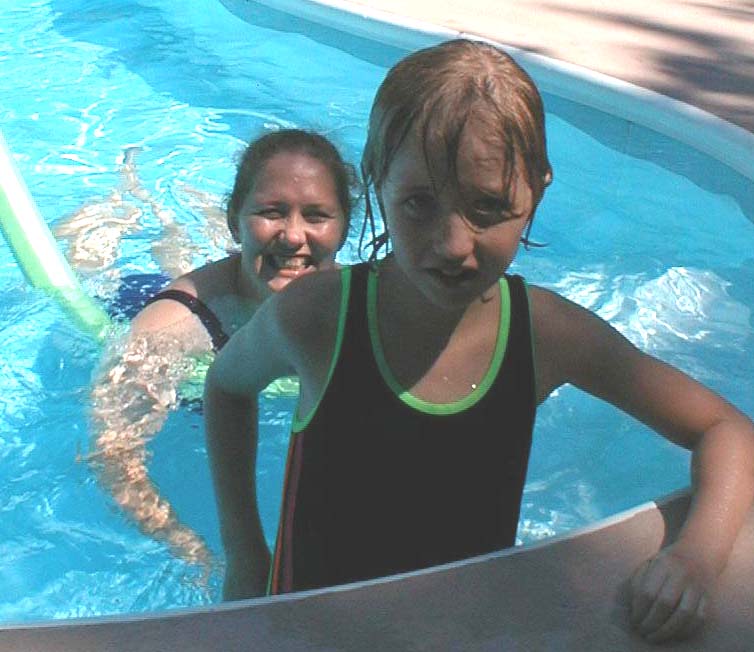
669,594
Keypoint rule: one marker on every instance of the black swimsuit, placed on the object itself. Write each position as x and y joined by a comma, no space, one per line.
380,482
201,310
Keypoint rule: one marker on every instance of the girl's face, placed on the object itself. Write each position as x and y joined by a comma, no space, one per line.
291,223
454,243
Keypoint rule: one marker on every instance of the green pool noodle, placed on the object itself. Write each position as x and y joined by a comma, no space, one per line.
37,253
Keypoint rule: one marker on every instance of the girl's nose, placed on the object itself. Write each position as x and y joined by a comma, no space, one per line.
456,238
293,233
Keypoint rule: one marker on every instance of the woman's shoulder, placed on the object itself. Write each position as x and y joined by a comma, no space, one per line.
203,283
210,280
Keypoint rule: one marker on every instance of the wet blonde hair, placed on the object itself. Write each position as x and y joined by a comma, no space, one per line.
434,93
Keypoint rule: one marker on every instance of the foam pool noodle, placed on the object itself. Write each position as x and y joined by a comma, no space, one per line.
37,253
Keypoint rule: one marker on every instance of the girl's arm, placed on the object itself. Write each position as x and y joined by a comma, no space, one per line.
575,346
231,430
252,358
293,333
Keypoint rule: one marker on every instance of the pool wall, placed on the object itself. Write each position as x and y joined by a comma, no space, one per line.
722,140
567,594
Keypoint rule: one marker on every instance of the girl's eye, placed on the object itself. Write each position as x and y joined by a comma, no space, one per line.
490,210
419,205
488,205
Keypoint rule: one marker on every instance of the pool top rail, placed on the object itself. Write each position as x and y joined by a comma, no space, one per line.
566,594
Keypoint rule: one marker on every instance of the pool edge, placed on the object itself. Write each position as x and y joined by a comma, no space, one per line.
569,592
720,139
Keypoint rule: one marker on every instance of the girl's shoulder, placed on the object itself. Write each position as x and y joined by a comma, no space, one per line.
546,305
564,321
303,318
310,303
573,344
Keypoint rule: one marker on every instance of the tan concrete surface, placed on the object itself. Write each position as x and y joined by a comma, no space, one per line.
697,51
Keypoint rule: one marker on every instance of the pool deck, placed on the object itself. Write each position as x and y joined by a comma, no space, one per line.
698,51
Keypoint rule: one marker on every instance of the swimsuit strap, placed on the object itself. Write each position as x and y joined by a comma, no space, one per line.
201,310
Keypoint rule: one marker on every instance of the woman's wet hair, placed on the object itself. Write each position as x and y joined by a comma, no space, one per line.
293,141
433,94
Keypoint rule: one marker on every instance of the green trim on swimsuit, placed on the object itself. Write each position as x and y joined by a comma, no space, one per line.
192,388
439,408
345,292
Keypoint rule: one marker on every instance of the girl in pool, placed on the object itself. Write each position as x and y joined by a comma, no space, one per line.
289,210
420,374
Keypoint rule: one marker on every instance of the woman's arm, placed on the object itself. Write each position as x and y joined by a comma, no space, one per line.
131,398
575,346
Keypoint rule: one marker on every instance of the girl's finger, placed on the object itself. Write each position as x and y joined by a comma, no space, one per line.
665,602
648,584
687,617
640,603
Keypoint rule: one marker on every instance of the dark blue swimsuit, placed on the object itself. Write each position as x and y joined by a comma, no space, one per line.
137,291
201,310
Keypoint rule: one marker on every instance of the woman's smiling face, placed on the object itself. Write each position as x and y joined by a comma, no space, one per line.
291,223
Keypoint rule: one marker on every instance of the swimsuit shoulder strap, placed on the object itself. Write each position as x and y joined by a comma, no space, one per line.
201,310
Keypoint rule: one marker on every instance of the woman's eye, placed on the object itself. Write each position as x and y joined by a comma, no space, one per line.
317,217
269,213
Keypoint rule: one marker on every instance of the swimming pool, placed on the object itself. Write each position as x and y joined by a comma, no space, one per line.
650,233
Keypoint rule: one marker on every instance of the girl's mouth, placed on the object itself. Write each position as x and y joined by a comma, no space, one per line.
452,278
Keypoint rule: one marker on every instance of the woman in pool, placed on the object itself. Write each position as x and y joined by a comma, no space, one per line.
420,374
289,211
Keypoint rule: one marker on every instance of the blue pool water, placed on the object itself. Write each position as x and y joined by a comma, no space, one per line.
651,234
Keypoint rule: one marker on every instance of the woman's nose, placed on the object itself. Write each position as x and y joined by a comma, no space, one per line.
293,232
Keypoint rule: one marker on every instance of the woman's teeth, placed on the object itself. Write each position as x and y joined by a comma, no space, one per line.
295,263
